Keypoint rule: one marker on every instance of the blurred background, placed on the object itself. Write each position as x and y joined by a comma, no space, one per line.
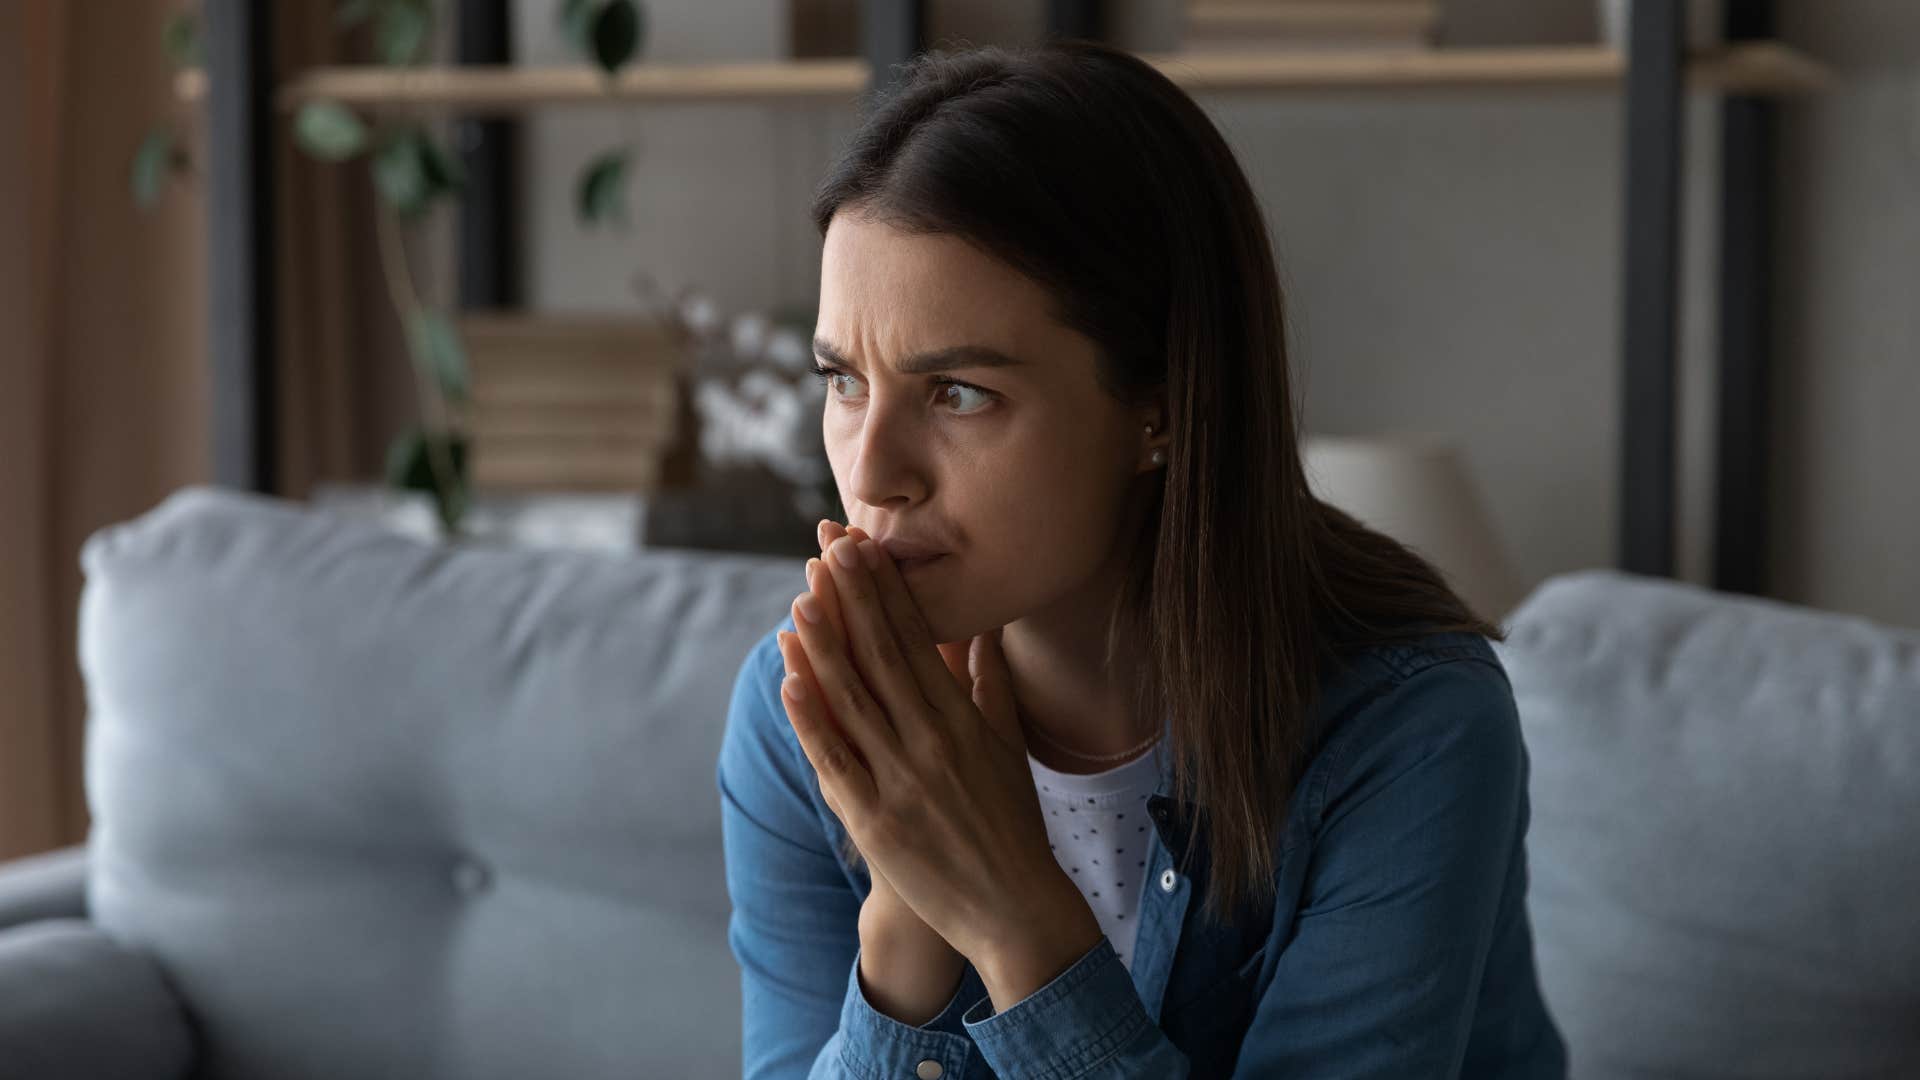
539,272
404,437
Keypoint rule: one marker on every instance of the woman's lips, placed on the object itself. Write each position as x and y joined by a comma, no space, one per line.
909,565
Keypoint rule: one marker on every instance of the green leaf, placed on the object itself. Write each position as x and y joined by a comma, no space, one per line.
329,131
436,346
601,196
409,467
151,164
401,30
616,34
411,170
400,174
181,38
443,169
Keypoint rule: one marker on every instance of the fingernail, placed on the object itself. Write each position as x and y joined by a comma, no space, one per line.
812,565
843,550
820,535
795,686
870,551
809,607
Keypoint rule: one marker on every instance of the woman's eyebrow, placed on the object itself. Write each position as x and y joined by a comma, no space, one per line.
931,362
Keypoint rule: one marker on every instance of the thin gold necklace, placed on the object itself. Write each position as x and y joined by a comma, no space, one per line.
1071,752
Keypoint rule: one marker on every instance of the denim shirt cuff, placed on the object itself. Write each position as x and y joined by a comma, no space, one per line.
876,1045
1066,1027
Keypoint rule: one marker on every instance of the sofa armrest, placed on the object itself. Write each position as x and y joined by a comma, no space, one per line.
48,886
76,1003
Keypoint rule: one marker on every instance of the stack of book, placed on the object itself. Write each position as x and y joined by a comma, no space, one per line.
575,403
1310,25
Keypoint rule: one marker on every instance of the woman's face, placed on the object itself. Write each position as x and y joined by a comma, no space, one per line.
1009,458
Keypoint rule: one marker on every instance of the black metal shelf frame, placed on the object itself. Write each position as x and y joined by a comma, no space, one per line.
240,103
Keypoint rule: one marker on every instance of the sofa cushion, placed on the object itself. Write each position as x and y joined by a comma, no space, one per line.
50,885
385,808
77,1005
1725,846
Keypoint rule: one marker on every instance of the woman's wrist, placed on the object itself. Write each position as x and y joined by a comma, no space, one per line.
907,971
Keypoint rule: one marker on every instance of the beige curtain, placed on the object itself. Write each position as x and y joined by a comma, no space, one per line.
104,395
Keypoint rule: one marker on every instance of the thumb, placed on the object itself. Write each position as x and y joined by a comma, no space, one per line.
993,687
955,654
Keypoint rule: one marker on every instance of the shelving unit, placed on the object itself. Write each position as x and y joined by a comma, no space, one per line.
1756,68
1653,74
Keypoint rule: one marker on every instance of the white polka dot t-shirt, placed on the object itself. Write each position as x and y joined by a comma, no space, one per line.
1100,831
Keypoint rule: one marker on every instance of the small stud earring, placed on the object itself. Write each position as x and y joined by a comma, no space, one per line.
1159,457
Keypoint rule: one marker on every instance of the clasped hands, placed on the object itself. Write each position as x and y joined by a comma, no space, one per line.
920,754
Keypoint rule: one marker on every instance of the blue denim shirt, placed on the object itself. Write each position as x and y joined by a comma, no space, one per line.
1397,943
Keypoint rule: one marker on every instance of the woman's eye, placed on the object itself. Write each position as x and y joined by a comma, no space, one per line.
956,393
843,385
961,399
833,379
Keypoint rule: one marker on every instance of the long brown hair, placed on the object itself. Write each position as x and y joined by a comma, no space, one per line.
1085,169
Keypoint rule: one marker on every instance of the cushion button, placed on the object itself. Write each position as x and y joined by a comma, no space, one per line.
470,876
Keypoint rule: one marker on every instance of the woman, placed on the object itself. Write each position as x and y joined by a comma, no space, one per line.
1097,746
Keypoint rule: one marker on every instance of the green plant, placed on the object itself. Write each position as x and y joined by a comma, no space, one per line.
163,152
412,172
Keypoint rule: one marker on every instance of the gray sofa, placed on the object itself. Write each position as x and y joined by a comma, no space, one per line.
365,807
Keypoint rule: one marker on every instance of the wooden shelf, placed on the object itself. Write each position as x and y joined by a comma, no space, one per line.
1757,68
482,88
1765,68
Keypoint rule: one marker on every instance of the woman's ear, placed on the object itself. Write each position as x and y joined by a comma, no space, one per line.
1155,440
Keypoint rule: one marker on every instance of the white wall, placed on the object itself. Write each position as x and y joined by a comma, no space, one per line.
1452,264
1848,447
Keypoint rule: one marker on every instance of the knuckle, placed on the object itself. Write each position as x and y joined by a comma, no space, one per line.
886,832
937,745
913,626
847,701
837,758
884,651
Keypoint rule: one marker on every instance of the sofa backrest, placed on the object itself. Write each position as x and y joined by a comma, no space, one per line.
384,808
1725,846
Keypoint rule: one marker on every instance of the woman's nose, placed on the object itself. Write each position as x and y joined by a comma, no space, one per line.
887,465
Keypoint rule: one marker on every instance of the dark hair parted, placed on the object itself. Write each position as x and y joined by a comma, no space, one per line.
1089,172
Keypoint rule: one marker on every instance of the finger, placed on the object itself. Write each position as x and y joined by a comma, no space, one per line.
821,582
929,664
993,687
827,532
861,715
953,653
873,646
834,759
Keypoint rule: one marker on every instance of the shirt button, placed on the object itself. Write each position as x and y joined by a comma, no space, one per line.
1160,814
1168,880
928,1070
